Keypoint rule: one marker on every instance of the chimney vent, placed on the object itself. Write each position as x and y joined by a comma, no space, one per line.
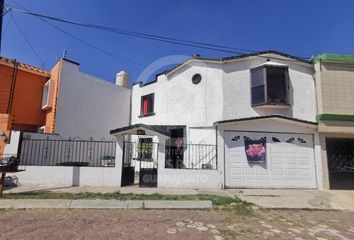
122,79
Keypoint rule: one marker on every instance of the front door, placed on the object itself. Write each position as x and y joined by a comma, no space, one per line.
174,150
147,157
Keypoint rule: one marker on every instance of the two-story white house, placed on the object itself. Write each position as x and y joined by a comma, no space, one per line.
258,110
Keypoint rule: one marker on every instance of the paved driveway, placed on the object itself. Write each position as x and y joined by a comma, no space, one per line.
293,198
175,224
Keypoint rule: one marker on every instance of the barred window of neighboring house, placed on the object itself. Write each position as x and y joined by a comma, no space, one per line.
269,85
147,105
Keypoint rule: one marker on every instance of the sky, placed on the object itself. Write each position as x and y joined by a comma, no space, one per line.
300,28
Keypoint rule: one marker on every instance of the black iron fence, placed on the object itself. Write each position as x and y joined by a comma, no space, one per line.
191,156
80,153
140,155
186,156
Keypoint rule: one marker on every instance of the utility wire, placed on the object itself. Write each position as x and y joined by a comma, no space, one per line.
143,35
201,45
5,10
6,29
160,38
133,34
91,45
85,42
28,41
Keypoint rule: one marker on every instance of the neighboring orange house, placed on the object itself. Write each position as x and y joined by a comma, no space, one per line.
21,92
36,100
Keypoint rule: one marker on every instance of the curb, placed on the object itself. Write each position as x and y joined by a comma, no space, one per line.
101,204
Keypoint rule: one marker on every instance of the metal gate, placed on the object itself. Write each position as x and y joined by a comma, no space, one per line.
340,158
140,162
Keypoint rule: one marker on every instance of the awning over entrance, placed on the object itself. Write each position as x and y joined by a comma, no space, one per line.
141,129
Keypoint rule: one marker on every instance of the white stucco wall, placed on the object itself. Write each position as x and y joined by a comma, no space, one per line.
186,178
89,106
69,176
237,91
201,135
224,93
180,102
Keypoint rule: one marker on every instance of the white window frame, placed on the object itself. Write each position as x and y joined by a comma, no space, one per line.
45,96
41,129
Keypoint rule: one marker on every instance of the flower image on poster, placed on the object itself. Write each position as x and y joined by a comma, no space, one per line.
256,150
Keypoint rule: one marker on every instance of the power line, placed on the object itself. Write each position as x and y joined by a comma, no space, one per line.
160,38
133,34
91,45
5,11
195,44
144,35
6,29
27,40
85,42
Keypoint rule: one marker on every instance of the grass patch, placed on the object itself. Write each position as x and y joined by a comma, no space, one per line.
219,202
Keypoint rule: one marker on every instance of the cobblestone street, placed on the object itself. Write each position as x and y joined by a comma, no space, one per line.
175,224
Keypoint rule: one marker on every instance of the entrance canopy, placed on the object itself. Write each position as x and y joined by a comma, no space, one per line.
141,129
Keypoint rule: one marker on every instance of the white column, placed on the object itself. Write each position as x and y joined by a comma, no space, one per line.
161,160
119,158
12,147
318,161
220,156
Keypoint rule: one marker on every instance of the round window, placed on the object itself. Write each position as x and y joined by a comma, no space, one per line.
196,78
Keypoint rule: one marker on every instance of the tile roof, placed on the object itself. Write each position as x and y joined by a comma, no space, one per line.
225,59
25,66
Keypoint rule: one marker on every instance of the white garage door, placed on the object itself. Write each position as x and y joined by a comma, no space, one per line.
289,161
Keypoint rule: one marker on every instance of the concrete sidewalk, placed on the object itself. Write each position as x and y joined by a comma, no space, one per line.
264,198
101,204
297,199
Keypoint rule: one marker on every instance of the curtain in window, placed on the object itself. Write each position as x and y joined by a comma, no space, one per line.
145,106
